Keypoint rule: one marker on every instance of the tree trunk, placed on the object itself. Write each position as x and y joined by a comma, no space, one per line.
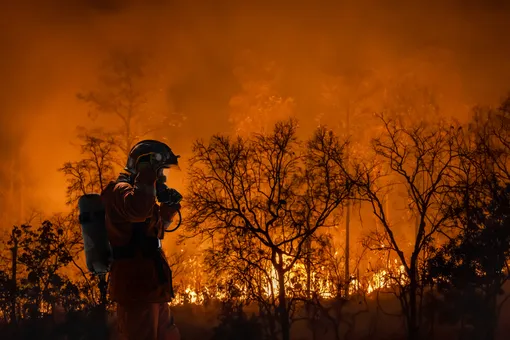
14,286
491,320
11,206
308,267
282,306
348,212
22,200
347,246
412,326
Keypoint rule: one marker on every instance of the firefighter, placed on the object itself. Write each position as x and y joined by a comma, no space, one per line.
140,278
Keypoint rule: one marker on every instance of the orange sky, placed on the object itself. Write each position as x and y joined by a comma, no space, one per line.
50,52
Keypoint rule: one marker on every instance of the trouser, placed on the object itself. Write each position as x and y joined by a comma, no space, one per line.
146,321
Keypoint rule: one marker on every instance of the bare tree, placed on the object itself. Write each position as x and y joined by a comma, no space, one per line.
258,200
491,130
94,171
122,93
348,97
325,305
420,157
91,174
471,267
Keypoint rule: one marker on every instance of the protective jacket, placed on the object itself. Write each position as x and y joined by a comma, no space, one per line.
140,272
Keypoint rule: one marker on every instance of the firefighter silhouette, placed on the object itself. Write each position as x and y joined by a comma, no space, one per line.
140,281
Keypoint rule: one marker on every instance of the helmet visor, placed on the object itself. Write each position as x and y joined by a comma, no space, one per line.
167,170
168,159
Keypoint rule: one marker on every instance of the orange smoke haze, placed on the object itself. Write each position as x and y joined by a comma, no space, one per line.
50,50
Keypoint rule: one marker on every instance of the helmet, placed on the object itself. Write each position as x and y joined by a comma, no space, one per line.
163,154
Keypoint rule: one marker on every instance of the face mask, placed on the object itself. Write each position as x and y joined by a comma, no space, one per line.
162,175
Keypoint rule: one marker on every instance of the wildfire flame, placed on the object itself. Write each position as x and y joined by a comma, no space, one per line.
296,280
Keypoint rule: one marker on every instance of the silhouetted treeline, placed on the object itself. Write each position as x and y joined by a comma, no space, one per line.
265,209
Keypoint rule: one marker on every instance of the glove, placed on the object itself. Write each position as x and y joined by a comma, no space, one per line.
167,213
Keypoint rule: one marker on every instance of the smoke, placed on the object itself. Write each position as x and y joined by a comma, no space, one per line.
50,50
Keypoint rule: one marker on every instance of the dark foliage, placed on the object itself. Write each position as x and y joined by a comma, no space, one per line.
235,325
264,202
37,291
470,269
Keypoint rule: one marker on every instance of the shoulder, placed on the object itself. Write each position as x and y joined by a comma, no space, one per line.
113,188
121,186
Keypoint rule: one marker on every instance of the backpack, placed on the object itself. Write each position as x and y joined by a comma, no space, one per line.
98,252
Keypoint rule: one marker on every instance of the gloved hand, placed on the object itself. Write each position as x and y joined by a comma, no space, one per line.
167,213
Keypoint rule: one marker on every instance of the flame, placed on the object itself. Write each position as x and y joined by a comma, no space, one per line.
296,284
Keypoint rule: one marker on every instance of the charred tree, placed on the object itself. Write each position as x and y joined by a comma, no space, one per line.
348,97
15,234
470,269
420,158
122,92
96,168
259,200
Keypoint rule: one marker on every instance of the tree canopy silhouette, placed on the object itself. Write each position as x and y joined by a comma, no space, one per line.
260,200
